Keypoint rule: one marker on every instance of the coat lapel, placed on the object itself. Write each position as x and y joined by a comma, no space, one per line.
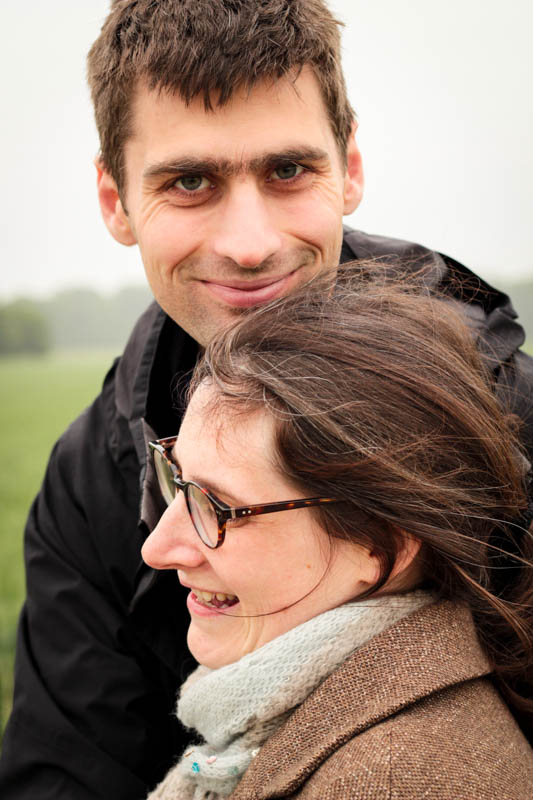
425,652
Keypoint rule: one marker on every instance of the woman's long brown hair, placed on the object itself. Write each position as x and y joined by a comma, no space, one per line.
382,400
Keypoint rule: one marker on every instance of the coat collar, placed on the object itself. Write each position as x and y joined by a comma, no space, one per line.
425,652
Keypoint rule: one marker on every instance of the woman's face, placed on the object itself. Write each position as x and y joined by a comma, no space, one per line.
282,566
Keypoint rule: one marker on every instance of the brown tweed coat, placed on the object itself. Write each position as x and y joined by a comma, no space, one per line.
412,714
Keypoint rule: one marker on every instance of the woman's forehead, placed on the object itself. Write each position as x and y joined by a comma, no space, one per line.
224,436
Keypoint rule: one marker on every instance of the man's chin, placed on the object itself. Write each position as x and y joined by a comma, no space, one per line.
215,306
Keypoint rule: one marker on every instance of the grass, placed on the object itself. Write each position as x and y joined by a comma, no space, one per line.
39,397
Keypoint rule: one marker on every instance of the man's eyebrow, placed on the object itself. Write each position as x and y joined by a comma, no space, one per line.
226,168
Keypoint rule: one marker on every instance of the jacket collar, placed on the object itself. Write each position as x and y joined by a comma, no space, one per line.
158,351
135,366
425,652
489,311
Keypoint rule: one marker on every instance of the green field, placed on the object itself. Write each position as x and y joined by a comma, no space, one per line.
38,399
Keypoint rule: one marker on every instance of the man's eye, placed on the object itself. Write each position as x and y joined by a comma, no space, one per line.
192,183
286,172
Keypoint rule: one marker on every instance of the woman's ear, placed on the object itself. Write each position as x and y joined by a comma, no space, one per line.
406,573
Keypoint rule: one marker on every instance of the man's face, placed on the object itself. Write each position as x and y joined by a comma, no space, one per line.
234,207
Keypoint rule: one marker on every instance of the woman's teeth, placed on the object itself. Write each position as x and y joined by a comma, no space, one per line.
216,599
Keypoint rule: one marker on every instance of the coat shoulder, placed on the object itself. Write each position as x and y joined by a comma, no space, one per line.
461,742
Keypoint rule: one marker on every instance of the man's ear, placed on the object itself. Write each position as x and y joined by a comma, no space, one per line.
113,212
354,178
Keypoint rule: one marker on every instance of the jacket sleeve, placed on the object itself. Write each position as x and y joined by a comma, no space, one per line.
92,707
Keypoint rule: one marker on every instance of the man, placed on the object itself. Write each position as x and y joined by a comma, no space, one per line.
228,154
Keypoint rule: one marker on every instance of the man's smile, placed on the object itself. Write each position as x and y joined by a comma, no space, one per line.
243,294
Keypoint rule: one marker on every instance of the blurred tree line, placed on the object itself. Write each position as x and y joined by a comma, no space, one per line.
23,329
71,319
83,318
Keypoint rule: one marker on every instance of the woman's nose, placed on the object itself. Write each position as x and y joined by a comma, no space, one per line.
174,543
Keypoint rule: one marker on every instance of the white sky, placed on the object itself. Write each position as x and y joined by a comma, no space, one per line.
444,98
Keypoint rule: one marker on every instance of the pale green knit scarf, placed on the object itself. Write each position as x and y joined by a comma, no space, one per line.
236,708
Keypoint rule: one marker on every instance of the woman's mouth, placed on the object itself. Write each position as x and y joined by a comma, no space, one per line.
218,600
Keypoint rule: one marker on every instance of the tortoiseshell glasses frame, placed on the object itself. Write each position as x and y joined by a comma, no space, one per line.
202,503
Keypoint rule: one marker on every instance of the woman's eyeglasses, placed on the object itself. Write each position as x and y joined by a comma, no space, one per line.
209,514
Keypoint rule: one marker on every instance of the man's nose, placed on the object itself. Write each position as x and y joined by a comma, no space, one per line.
174,543
246,232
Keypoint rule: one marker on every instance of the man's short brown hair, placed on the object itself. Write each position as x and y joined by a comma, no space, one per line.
209,49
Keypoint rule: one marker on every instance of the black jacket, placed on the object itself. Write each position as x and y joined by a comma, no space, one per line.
101,643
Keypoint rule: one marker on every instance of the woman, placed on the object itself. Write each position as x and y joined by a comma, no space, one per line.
347,503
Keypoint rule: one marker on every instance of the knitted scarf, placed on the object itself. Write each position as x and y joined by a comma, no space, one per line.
236,708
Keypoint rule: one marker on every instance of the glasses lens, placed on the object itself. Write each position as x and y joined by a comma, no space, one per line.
164,476
203,515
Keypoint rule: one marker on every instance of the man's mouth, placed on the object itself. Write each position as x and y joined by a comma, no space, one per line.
242,294
218,600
